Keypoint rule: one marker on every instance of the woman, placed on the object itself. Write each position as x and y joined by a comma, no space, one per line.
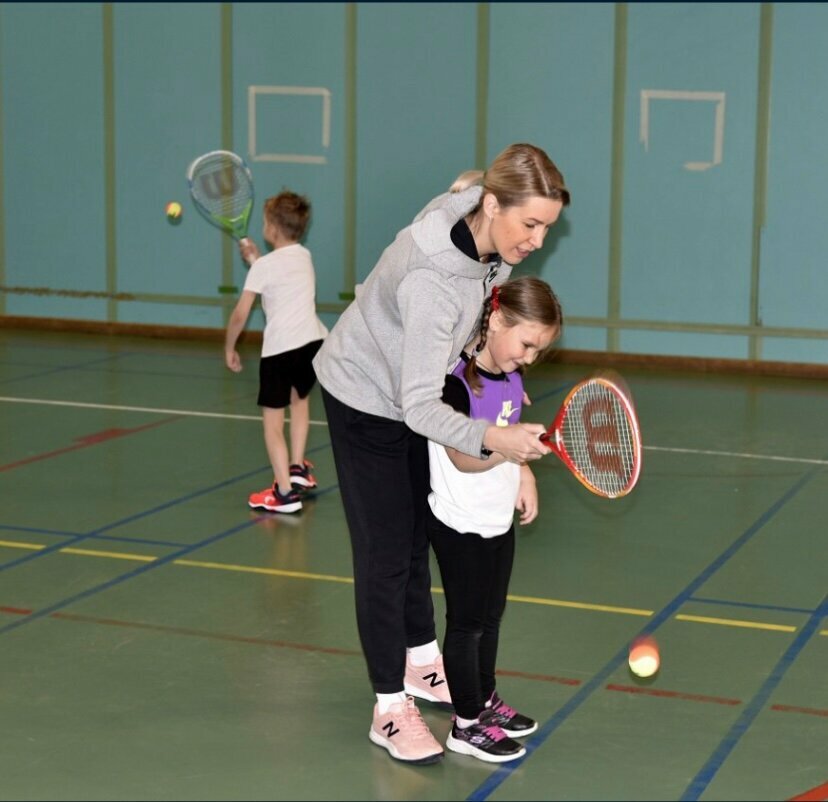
382,370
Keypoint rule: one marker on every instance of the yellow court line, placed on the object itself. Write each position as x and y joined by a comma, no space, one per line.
251,569
603,608
730,622
12,544
115,555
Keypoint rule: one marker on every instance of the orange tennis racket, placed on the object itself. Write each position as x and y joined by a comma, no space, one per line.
596,435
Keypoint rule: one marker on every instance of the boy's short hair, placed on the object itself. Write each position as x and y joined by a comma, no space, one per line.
289,212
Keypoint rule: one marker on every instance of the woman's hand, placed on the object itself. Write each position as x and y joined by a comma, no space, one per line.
518,443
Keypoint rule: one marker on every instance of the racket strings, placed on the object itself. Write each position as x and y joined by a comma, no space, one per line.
601,439
222,186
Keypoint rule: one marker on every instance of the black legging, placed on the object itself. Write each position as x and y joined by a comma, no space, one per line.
383,480
475,572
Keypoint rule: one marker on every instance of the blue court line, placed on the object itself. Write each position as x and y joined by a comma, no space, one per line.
95,534
61,369
498,777
752,605
46,611
129,519
141,541
700,782
124,577
37,531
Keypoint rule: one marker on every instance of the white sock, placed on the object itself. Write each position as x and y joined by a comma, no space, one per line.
425,654
385,700
463,723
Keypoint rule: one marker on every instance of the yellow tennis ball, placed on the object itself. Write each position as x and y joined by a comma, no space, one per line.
174,210
644,658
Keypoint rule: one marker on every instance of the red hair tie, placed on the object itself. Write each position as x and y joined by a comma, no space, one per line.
495,298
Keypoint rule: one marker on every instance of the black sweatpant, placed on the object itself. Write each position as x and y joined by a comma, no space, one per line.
476,572
382,467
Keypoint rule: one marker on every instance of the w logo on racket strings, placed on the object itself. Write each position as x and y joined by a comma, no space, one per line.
603,440
219,183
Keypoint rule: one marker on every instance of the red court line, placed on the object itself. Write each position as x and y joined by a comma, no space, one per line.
687,697
200,633
811,711
817,794
87,440
305,647
541,677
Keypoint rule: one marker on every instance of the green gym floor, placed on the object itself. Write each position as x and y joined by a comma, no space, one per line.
161,641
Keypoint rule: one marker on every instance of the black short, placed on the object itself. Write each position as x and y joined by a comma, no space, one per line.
279,373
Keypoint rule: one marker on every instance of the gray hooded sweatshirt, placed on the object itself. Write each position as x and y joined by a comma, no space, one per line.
389,353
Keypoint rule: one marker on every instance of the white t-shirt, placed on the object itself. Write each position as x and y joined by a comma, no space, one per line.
482,502
286,281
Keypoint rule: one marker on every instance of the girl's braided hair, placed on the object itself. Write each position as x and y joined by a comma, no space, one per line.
522,299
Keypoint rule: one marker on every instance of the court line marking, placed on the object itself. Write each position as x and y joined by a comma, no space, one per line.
665,694
118,408
755,706
286,574
500,775
818,794
741,455
85,441
731,622
227,416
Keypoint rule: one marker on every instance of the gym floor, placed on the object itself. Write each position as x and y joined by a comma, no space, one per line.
161,641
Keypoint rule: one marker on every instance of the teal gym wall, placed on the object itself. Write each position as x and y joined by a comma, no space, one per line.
691,136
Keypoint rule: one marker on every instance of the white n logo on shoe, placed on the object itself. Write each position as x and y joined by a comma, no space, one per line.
390,729
433,680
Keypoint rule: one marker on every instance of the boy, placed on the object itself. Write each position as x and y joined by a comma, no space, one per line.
292,336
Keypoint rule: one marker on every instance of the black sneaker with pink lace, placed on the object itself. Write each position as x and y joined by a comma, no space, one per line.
514,724
484,740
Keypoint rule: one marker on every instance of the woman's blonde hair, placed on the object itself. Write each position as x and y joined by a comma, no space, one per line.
518,173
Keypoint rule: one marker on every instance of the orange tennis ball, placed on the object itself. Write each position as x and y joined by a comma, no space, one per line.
644,658
174,210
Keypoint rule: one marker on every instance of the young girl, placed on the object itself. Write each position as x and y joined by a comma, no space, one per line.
472,507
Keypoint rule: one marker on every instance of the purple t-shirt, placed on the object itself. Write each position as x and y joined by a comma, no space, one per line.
499,402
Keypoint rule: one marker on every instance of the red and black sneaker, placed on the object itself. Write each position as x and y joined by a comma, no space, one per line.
274,501
301,477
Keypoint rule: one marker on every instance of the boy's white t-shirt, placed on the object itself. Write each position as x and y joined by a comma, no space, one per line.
286,281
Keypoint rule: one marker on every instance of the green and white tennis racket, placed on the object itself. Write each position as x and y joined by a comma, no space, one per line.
221,186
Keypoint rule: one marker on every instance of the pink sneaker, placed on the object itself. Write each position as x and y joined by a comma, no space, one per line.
404,734
428,682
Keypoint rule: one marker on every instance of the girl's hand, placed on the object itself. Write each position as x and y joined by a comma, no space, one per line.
527,500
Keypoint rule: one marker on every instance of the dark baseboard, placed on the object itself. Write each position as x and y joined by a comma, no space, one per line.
802,370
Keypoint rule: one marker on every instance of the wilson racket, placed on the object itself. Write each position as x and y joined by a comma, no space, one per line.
221,186
596,435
